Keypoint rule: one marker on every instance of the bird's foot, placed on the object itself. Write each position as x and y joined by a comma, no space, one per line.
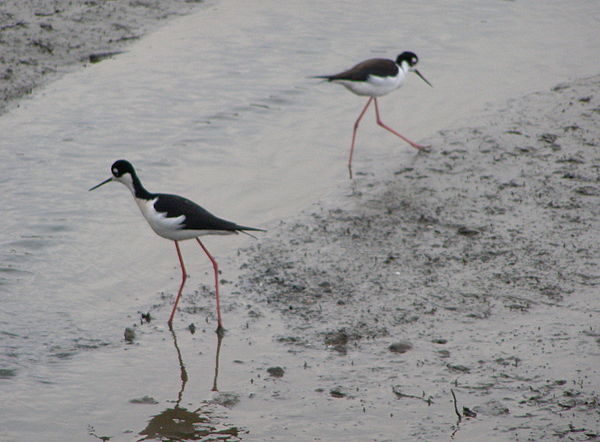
423,148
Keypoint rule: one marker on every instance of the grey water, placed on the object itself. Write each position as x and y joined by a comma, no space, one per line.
218,106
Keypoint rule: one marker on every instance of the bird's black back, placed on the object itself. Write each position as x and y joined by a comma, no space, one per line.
381,67
196,217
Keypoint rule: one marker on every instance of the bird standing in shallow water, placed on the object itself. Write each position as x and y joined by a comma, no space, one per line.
374,78
176,218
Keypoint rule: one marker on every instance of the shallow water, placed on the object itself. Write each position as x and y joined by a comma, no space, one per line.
217,106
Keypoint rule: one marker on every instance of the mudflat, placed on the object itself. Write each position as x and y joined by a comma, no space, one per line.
472,269
454,296
41,40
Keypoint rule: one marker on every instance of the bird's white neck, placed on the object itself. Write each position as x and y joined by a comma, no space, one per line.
404,67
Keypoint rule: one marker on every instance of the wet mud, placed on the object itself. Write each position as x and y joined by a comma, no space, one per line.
41,40
474,268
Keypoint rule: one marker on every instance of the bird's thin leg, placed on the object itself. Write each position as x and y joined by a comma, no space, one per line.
183,278
216,270
354,134
382,124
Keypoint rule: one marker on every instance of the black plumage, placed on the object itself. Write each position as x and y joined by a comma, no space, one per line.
196,217
380,67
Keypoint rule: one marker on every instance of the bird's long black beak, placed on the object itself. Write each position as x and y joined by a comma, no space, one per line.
102,183
422,78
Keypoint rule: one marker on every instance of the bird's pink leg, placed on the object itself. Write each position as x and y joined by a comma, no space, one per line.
216,270
354,133
183,278
381,123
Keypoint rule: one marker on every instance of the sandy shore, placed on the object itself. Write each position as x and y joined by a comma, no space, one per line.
41,40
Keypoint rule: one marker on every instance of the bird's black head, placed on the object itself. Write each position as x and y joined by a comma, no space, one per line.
408,57
123,172
121,167
411,59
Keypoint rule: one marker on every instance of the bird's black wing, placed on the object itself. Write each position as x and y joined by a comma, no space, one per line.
381,67
196,217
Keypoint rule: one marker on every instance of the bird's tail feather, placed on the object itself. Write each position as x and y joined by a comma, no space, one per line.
245,230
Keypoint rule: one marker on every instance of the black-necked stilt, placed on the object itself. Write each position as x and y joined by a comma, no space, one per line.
175,218
374,78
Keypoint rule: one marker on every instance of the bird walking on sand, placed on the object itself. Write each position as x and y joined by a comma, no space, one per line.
374,78
176,218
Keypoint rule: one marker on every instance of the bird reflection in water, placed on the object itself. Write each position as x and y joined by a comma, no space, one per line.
179,423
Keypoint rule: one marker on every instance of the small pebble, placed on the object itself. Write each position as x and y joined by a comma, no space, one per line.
276,372
400,347
129,334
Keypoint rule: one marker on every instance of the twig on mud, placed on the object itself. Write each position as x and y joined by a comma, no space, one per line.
398,393
457,414
456,408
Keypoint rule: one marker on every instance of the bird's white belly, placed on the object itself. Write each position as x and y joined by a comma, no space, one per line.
169,228
374,87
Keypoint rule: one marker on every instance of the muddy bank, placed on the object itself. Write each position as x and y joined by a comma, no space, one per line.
40,40
474,268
